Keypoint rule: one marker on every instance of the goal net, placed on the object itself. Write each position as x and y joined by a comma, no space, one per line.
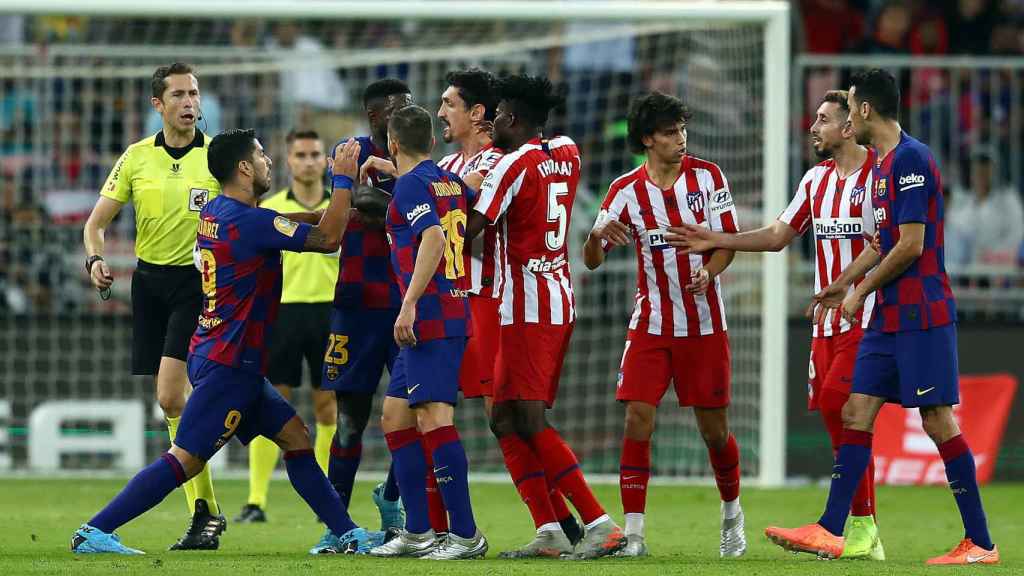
75,93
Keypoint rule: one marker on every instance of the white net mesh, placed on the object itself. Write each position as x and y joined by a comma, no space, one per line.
75,93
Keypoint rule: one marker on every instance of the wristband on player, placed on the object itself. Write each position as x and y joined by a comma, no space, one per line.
90,261
602,219
341,181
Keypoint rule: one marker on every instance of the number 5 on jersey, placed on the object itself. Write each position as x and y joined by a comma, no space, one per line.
557,213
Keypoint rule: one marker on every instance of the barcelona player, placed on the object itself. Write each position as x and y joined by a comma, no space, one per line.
238,253
426,226
908,354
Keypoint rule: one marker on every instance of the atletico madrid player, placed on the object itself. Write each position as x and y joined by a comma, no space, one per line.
678,331
532,189
833,197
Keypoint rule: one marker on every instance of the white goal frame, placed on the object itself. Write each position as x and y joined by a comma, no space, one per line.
774,15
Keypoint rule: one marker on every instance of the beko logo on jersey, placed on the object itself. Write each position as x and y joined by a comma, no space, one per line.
552,166
911,181
838,228
417,212
542,264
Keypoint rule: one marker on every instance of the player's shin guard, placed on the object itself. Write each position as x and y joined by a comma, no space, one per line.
451,470
147,489
346,454
528,477
634,475
562,468
963,481
410,468
322,447
726,464
188,487
262,459
309,481
849,467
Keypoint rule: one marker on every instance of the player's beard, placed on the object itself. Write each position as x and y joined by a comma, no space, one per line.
446,133
823,153
260,186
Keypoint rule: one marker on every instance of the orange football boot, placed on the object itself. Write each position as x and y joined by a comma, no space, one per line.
812,538
967,552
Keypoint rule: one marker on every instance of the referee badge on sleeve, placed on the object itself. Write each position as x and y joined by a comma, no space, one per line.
197,198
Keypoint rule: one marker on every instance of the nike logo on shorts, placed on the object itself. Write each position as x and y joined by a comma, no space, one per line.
411,390
925,391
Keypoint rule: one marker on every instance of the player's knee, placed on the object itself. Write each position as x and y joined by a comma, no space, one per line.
715,437
529,424
639,421
938,423
502,421
851,415
294,436
172,401
190,464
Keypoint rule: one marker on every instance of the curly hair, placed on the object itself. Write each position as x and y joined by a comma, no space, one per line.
531,98
649,113
383,89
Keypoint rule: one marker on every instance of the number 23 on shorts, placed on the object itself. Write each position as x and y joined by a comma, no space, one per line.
337,353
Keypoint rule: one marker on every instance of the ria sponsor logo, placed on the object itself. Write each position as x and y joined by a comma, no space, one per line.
542,264
413,215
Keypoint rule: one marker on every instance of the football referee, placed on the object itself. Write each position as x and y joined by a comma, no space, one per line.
166,177
303,321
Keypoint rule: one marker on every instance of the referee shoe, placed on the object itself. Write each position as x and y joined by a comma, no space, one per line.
203,531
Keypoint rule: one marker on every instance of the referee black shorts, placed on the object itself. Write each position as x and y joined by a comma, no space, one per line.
300,334
166,302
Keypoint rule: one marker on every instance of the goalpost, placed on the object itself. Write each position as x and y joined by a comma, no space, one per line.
729,61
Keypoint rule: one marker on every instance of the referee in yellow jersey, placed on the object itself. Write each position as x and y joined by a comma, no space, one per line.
166,177
303,321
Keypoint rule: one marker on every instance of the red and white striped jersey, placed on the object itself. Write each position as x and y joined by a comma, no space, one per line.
840,210
700,195
483,253
534,188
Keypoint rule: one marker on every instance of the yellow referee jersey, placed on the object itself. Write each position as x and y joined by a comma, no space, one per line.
168,194
309,277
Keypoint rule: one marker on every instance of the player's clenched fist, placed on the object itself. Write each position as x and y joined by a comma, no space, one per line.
100,275
610,230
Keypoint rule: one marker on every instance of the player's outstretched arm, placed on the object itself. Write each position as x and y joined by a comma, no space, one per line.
432,243
102,215
326,235
694,238
311,218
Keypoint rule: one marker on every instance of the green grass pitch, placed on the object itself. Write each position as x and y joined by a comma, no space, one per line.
39,515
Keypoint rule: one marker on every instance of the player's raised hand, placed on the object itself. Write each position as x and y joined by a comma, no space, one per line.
346,159
404,334
687,238
610,230
699,281
377,164
100,275
484,127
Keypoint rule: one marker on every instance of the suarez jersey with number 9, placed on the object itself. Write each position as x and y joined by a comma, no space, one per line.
238,254
534,188
428,196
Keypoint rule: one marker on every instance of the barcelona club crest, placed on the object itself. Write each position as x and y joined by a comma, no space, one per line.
695,200
880,188
857,197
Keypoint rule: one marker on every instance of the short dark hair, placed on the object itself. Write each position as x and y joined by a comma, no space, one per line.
294,135
531,98
226,150
840,97
159,83
651,112
475,86
879,88
413,127
383,89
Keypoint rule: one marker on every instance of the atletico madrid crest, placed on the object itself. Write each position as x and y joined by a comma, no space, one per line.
857,196
695,200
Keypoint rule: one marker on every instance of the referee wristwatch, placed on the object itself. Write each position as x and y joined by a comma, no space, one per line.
90,261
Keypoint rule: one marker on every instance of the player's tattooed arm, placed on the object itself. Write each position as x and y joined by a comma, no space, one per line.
312,218
318,241
326,235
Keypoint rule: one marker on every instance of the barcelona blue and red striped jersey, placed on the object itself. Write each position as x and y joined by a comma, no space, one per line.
908,189
424,197
365,279
238,254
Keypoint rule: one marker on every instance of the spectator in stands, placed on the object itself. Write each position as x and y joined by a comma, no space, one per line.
831,26
892,27
991,214
305,81
970,26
